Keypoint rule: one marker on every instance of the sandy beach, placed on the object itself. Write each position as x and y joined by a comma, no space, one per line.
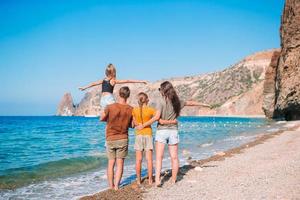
267,168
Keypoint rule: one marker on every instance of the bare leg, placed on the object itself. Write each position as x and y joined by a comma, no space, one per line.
110,173
173,150
101,114
159,156
119,172
149,165
138,164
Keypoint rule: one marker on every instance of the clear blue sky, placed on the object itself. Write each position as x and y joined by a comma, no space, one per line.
49,47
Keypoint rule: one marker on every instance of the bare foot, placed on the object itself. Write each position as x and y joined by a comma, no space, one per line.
116,188
138,180
158,183
150,181
112,187
173,181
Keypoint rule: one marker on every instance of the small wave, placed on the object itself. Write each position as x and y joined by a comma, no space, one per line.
238,138
281,122
290,125
18,177
64,131
272,130
206,144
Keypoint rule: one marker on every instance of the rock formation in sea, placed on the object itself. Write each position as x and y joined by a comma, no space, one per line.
66,106
283,80
90,104
236,90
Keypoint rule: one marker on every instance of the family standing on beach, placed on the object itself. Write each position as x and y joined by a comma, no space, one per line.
120,116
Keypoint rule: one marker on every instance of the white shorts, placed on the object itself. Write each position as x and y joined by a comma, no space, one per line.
107,100
167,136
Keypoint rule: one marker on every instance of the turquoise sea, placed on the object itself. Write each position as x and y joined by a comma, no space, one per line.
64,157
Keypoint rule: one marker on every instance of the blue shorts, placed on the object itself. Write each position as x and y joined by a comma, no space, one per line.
107,100
167,136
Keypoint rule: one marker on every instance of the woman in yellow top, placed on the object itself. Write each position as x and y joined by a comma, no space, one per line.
143,139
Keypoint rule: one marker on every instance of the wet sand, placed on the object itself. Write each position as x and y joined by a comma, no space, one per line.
267,168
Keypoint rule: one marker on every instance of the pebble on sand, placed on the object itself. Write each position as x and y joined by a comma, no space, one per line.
199,169
221,153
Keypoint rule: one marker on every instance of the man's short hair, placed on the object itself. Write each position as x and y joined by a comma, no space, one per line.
124,92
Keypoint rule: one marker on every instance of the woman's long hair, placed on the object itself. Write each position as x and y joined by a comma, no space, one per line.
168,91
143,99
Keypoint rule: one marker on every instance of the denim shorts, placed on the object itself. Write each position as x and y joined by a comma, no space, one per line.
167,136
107,100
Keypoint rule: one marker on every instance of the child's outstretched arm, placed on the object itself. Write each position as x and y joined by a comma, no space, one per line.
195,103
130,81
91,85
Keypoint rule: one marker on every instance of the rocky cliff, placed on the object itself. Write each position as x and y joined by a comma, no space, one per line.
236,90
269,86
286,87
66,106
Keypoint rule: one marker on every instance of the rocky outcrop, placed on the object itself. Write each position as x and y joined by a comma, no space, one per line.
248,103
229,91
66,106
217,88
269,86
245,104
287,102
90,104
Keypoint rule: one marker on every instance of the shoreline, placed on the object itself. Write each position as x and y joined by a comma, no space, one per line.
228,116
133,191
95,116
